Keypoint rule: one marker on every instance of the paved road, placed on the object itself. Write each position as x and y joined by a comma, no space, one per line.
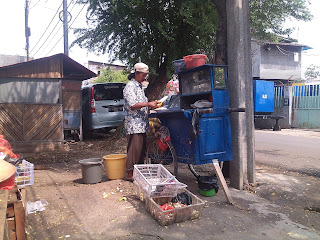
297,150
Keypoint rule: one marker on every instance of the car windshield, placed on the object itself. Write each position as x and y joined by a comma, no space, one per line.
108,92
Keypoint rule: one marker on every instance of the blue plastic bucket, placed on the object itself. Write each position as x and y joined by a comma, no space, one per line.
179,65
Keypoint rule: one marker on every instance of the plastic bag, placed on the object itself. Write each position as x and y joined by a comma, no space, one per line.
207,183
37,206
202,104
184,198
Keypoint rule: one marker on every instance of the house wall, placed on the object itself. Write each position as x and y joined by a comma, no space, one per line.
283,108
18,90
272,61
269,123
22,122
71,102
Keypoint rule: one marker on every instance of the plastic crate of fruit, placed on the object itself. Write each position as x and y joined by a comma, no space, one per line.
156,181
167,213
24,174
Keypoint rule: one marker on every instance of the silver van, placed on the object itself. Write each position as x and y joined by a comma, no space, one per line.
102,105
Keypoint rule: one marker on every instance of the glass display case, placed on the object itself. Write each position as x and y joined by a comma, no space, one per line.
196,82
200,84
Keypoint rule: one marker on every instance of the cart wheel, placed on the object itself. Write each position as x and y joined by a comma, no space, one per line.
155,155
201,170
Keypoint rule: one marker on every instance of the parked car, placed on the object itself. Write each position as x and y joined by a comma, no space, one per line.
102,105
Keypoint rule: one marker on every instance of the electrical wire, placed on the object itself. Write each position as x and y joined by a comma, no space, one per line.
56,34
283,51
69,28
46,31
34,4
48,43
47,38
255,52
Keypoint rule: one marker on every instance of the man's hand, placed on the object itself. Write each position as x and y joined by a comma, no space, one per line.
153,104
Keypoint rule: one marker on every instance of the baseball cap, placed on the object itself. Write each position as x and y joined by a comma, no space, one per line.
141,67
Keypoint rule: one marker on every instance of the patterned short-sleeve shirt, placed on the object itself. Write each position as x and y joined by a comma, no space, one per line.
136,120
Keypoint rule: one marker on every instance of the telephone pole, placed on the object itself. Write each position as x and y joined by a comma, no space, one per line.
27,29
240,91
65,27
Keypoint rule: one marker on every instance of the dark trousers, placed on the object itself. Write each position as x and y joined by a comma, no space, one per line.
136,150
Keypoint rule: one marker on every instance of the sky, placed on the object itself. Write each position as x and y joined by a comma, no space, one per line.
46,43
46,39
308,33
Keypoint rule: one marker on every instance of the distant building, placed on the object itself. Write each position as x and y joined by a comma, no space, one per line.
97,66
276,61
6,60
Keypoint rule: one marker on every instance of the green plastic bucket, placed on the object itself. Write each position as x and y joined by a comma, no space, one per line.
208,193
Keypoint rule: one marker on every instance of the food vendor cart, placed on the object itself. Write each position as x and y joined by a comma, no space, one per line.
200,128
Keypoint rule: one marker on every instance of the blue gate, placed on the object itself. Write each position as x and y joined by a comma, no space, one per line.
278,96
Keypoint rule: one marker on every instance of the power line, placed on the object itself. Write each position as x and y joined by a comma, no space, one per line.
34,4
46,38
68,29
46,30
45,41
58,31
285,52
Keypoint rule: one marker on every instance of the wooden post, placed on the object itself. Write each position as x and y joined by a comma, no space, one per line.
19,215
222,181
4,233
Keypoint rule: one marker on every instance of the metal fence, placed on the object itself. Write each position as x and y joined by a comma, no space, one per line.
278,96
306,97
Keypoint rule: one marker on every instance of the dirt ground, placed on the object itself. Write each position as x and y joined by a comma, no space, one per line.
282,205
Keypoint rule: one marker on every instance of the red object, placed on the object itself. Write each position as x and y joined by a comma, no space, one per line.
163,144
8,184
92,107
5,147
166,207
195,60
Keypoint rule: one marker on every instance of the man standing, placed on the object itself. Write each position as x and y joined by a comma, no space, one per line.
136,119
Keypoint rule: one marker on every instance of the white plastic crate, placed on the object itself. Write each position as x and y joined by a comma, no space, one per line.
156,181
24,174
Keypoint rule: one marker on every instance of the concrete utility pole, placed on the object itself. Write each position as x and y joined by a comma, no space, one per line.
27,29
240,91
65,27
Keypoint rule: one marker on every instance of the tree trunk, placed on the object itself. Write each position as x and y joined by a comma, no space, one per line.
221,56
158,83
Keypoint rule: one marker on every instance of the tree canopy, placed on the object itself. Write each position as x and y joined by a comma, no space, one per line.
109,75
158,32
312,72
268,17
155,32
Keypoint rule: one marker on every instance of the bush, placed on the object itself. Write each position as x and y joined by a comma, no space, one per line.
109,75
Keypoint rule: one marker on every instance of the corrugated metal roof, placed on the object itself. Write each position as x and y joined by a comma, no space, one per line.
56,66
285,44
